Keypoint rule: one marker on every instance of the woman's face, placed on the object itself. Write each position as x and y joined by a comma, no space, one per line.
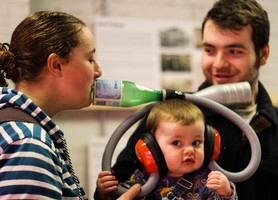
80,72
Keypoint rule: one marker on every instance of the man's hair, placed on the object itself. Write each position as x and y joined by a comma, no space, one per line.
236,14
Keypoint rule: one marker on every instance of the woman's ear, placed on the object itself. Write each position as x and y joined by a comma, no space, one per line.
264,55
54,64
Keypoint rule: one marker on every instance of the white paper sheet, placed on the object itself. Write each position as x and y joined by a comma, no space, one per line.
152,53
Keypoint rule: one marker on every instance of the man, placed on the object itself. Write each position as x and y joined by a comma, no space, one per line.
235,46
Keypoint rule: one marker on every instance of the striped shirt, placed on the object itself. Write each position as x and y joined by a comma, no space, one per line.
33,163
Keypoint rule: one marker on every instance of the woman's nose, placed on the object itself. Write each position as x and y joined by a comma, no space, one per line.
98,71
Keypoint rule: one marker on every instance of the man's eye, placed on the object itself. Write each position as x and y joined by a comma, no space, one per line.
233,51
208,50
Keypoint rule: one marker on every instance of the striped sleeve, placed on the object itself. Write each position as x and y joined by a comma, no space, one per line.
29,165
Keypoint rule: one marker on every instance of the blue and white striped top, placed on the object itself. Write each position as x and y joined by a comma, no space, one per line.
33,164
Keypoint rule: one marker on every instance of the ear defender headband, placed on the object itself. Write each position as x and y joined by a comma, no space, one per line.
151,156
201,101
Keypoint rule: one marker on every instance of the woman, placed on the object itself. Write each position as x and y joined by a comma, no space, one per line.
51,60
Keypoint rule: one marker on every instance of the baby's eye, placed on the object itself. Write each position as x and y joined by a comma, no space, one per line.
197,143
176,143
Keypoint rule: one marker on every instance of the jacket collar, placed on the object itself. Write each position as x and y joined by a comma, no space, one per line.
266,115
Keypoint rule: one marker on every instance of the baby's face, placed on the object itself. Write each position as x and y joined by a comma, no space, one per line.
182,146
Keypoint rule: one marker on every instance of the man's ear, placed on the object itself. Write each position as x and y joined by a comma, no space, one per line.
264,53
54,64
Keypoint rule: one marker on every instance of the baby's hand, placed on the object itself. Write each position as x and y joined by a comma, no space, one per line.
106,183
219,182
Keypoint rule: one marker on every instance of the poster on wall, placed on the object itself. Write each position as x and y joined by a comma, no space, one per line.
152,53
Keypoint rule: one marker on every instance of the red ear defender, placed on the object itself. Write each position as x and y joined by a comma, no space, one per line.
150,155
145,156
212,144
217,145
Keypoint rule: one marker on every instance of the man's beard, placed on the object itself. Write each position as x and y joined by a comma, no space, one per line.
252,77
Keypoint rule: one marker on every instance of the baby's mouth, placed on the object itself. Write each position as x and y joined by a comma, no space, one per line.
187,160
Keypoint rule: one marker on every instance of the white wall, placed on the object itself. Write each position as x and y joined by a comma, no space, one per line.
79,126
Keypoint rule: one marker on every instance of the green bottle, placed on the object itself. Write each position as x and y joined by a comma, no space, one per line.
122,93
127,94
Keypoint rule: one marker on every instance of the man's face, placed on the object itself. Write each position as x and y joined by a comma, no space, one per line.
228,55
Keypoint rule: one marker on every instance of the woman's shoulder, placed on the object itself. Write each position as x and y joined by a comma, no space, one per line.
19,132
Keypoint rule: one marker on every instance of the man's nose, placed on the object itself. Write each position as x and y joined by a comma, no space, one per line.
220,61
